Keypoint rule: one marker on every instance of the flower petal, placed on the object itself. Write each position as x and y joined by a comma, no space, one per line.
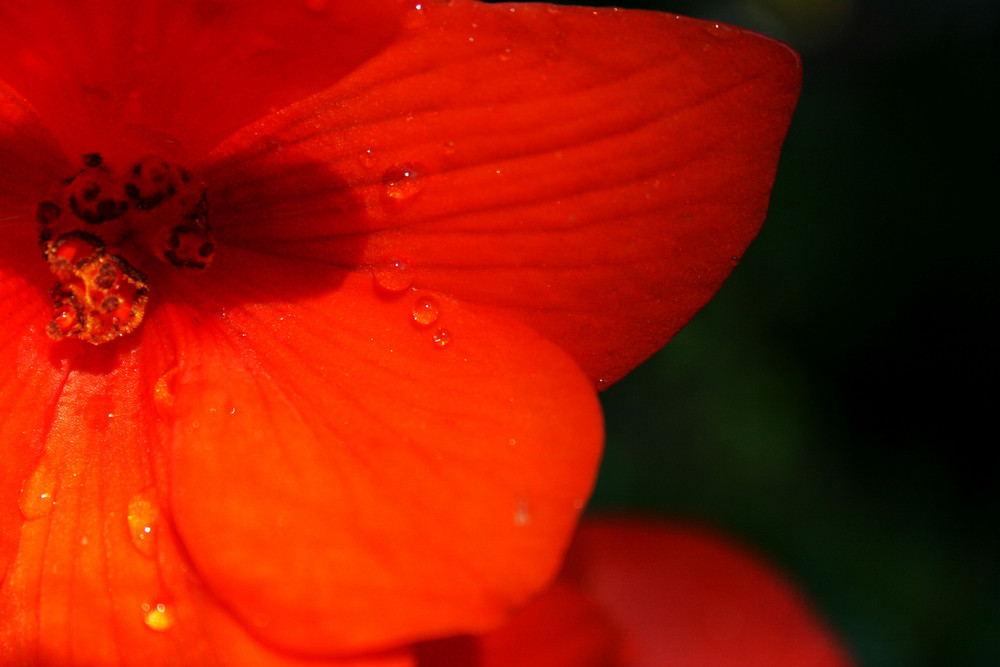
28,385
562,627
345,478
682,597
95,576
177,75
640,593
32,160
595,174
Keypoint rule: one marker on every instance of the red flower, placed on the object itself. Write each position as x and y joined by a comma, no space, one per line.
638,593
432,231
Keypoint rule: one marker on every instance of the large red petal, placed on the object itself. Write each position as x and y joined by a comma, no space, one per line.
95,576
175,76
595,174
344,478
683,597
28,385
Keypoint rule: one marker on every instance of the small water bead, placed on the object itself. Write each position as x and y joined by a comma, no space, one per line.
721,30
394,276
522,513
163,393
38,494
272,145
158,616
441,338
366,158
402,182
142,517
99,412
425,311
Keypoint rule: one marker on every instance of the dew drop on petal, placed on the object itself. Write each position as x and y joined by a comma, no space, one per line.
163,391
425,311
402,182
272,145
99,412
393,276
38,493
441,338
720,30
522,514
142,517
366,158
158,616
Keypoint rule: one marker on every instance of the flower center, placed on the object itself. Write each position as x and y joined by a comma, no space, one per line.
94,228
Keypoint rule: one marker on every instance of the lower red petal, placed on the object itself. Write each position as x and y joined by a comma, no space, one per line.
682,597
92,571
345,477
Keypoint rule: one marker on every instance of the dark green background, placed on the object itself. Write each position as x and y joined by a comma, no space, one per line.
834,406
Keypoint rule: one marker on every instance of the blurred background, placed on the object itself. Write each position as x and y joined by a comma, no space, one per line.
833,407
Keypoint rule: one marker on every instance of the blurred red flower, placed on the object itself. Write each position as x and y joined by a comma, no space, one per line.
643,593
434,229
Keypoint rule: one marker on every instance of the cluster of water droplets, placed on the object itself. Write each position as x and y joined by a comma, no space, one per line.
396,278
38,499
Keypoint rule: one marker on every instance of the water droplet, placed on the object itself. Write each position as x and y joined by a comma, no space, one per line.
394,276
272,145
142,516
441,338
425,311
505,54
38,493
449,148
163,391
522,514
720,30
734,260
366,158
578,504
402,182
158,616
99,412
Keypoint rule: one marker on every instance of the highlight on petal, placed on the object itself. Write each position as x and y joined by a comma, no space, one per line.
347,473
174,77
592,173
643,593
